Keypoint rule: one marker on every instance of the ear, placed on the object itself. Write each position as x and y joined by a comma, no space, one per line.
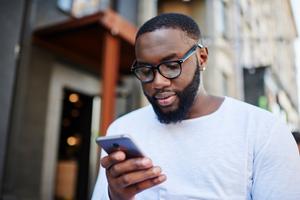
202,56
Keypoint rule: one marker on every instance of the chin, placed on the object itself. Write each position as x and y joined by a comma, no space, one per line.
169,108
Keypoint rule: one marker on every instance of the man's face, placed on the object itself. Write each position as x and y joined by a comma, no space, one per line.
170,99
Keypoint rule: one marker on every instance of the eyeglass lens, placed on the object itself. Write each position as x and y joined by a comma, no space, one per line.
168,69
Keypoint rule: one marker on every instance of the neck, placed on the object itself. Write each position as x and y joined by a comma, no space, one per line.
204,104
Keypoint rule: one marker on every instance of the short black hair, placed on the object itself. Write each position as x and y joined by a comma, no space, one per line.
296,135
171,20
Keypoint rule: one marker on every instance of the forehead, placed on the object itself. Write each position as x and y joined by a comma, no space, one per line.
161,42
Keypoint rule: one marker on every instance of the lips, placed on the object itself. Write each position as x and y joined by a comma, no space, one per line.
165,98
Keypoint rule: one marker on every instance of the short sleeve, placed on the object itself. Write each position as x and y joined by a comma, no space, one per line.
276,167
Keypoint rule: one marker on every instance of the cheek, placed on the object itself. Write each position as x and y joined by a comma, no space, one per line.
147,89
183,80
188,71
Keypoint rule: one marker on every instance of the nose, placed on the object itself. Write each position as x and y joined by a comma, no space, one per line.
159,81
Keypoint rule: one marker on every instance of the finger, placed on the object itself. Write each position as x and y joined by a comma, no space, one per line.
113,158
139,187
129,166
138,176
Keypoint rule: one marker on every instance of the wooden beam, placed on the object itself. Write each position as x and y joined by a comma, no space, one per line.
111,62
118,26
67,53
107,19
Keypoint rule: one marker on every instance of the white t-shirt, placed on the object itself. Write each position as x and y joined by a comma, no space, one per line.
237,152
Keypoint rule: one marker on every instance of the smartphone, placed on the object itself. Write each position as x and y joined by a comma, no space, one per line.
120,142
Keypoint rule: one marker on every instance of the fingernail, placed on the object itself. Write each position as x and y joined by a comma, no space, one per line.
119,156
160,179
146,161
156,170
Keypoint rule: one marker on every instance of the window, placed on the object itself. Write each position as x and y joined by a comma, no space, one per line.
225,88
222,18
80,8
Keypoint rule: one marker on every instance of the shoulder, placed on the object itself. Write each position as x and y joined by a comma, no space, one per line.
263,125
258,121
239,106
132,120
139,114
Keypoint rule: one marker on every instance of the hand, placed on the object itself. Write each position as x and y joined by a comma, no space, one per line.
128,177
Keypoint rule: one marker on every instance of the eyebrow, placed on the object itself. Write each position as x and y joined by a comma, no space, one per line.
169,57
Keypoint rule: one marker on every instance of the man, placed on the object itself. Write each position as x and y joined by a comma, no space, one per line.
197,146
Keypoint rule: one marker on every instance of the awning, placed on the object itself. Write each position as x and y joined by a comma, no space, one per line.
102,42
82,40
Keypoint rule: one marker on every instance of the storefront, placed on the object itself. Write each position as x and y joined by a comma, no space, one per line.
83,96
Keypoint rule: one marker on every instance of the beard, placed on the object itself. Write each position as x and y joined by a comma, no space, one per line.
186,99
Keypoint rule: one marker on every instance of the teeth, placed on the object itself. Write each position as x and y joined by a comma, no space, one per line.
166,101
164,95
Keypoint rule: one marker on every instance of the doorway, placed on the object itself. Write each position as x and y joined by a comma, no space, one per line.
70,154
72,170
66,143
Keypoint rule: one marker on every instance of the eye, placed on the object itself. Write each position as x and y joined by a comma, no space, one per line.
143,72
170,66
170,69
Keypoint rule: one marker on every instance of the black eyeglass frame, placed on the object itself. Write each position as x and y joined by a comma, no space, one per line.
186,56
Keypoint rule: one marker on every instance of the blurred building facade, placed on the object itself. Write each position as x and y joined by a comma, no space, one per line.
268,33
52,102
250,58
251,50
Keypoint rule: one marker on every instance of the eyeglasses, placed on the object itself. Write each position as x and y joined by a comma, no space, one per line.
168,69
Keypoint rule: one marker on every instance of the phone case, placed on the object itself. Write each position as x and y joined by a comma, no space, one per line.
120,142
